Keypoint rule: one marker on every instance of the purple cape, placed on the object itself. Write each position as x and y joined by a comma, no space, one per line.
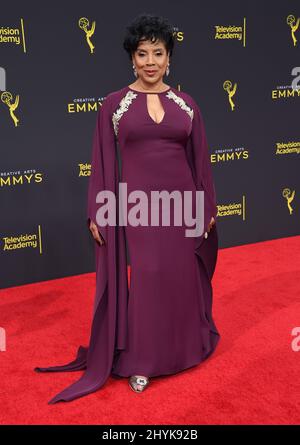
109,325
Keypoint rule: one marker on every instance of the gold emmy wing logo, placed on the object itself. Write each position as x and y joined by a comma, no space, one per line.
289,196
84,24
231,90
291,21
7,98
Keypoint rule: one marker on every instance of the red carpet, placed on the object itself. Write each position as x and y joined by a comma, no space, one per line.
252,378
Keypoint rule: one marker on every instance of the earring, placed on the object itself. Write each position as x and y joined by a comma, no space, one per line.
134,71
167,71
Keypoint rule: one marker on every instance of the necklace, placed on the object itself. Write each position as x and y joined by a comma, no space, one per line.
147,91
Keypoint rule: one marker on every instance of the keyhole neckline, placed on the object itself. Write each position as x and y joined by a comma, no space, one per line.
149,92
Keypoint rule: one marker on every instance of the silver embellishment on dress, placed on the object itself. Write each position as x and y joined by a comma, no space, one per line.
124,105
181,103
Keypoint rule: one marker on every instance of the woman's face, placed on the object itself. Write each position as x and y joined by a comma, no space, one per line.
150,56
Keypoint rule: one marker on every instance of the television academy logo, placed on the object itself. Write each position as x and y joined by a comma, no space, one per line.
232,32
13,36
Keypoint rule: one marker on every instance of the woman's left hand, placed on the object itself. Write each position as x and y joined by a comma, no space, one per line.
212,222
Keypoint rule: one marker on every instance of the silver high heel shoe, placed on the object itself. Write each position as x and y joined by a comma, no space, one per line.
138,383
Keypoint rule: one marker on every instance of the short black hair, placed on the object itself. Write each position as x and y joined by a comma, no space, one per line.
148,27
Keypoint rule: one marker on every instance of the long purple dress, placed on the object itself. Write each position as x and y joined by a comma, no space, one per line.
163,323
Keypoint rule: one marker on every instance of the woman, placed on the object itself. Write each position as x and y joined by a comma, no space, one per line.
148,136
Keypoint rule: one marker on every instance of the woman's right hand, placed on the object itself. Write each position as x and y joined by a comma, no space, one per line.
95,233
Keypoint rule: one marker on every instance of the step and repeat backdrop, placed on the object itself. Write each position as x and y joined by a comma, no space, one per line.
58,61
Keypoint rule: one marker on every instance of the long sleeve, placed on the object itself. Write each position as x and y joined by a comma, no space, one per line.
109,326
199,160
101,162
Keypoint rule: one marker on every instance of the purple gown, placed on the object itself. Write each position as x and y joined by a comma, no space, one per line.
163,323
